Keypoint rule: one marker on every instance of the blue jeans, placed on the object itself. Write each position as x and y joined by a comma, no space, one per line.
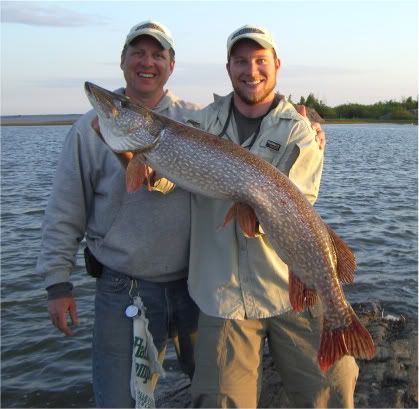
171,313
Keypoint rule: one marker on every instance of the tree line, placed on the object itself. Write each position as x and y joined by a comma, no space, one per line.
405,110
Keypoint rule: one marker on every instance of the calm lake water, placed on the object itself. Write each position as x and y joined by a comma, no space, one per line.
368,195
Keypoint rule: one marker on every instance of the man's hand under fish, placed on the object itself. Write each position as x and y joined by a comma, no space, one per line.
320,135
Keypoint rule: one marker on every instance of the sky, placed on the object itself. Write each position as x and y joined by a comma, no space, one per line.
341,51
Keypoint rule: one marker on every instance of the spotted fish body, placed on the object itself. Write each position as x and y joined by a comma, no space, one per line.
317,258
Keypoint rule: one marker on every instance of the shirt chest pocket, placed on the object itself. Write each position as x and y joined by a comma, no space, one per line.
268,149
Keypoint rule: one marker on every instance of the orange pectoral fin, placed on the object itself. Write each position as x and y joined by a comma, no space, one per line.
300,296
136,173
246,218
346,262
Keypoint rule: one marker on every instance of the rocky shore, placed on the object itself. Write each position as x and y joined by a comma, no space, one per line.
389,380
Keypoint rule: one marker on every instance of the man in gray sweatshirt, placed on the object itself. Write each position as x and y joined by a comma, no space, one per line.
137,243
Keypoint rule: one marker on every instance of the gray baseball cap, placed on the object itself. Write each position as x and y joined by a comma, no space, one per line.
256,33
153,29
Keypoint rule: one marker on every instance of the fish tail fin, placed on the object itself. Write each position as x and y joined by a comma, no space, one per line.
353,340
300,296
246,217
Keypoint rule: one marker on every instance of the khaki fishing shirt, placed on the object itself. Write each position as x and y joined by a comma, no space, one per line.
231,275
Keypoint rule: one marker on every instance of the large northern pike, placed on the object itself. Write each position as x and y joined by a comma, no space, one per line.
317,258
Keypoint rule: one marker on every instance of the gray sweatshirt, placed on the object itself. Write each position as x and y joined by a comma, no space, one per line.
142,234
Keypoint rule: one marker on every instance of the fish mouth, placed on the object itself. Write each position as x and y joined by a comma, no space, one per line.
93,90
101,98
88,87
97,93
110,108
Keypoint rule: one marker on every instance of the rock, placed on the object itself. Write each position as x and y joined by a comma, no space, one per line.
389,380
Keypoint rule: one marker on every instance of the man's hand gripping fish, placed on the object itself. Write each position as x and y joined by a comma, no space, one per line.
318,260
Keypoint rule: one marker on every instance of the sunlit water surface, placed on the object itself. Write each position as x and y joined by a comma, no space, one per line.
368,195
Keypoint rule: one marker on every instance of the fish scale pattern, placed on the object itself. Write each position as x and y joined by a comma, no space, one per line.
206,164
219,169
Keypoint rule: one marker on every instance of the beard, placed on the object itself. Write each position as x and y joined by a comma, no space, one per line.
254,99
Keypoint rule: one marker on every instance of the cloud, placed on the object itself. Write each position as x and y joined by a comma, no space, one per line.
45,14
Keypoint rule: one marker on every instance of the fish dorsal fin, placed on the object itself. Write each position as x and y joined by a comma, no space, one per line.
345,259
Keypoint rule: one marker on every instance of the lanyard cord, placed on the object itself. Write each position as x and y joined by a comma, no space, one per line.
230,110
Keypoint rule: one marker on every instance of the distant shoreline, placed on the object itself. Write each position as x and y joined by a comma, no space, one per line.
39,120
43,120
37,123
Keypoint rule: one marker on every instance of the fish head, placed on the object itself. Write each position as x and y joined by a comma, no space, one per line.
124,125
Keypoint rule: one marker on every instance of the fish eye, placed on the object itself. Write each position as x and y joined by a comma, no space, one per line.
120,103
124,102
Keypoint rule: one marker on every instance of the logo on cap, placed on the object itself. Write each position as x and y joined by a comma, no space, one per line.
150,25
247,31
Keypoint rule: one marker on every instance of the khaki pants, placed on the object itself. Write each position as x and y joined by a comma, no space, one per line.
228,363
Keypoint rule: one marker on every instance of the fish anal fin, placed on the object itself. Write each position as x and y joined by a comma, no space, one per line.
353,340
346,261
136,173
246,218
300,296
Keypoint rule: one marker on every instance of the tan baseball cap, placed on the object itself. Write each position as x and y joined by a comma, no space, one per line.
256,33
153,29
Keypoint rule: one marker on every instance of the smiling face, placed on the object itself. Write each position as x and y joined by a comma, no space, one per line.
253,70
147,66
